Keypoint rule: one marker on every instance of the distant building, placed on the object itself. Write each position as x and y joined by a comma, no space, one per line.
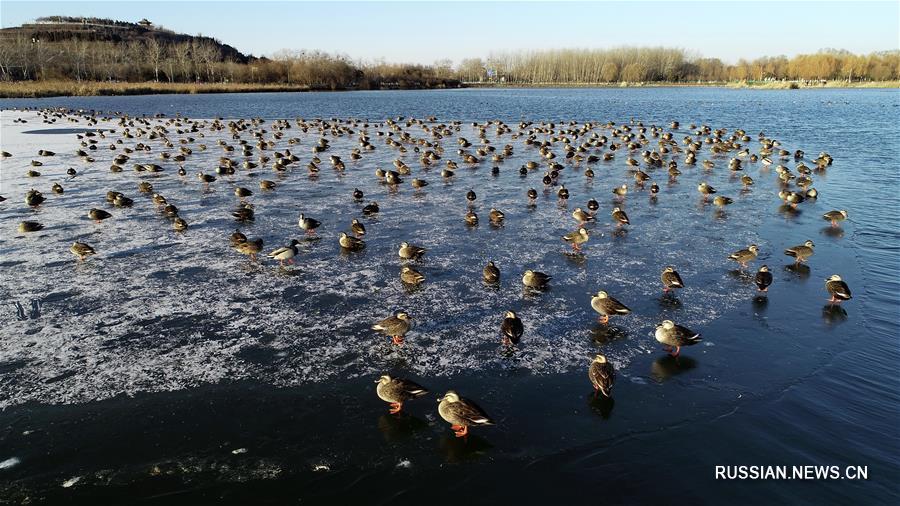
145,23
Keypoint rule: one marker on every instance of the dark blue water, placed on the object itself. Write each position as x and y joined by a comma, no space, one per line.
169,369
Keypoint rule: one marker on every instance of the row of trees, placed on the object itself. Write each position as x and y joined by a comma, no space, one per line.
572,66
202,60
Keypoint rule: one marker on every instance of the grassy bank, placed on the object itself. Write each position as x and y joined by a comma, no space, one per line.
37,89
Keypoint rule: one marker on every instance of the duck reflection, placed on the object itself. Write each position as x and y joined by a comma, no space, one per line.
400,427
760,303
670,301
801,271
576,259
668,366
788,211
619,233
602,334
741,275
601,404
833,314
459,449
833,232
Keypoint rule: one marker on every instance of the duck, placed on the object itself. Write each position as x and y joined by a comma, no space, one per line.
308,224
411,276
396,326
351,243
30,226
838,289
563,192
250,248
357,227
581,216
243,213
620,191
34,198
608,306
470,196
145,187
471,218
671,279
461,413
835,217
358,194
418,183
267,185
206,178
81,250
593,205
535,279
98,215
746,180
179,224
763,279
396,391
705,190
620,217
576,238
490,273
602,375
370,208
743,256
242,192
410,252
675,336
721,201
286,253
496,216
57,188
532,194
794,198
511,329
237,237
801,252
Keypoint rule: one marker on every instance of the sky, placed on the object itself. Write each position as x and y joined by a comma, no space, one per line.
427,31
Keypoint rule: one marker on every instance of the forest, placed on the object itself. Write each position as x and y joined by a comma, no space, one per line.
65,49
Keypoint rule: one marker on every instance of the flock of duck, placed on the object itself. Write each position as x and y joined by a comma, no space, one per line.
647,149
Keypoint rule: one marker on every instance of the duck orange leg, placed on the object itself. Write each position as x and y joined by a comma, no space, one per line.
604,319
398,340
463,432
396,407
677,351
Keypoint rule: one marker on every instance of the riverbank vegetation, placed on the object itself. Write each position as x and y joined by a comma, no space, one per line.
88,56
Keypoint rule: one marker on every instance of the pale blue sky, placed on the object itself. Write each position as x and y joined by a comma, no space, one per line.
423,32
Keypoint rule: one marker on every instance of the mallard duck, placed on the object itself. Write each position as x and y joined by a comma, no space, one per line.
593,205
602,375
286,253
535,279
419,183
267,185
170,211
242,192
29,226
357,227
250,248
838,289
243,213
98,215
608,306
351,243
34,198
835,216
581,217
81,250
308,224
576,238
370,208
496,216
763,278
410,252
490,273
57,188
801,252
746,180
654,190
357,194
620,191
122,201
675,336
470,196
705,190
461,413
811,193
396,391
471,218
532,193
205,178
743,256
237,237
395,326
620,217
671,279
145,187
794,198
511,329
721,201
411,276
562,192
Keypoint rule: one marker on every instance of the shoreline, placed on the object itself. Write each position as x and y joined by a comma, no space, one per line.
50,89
